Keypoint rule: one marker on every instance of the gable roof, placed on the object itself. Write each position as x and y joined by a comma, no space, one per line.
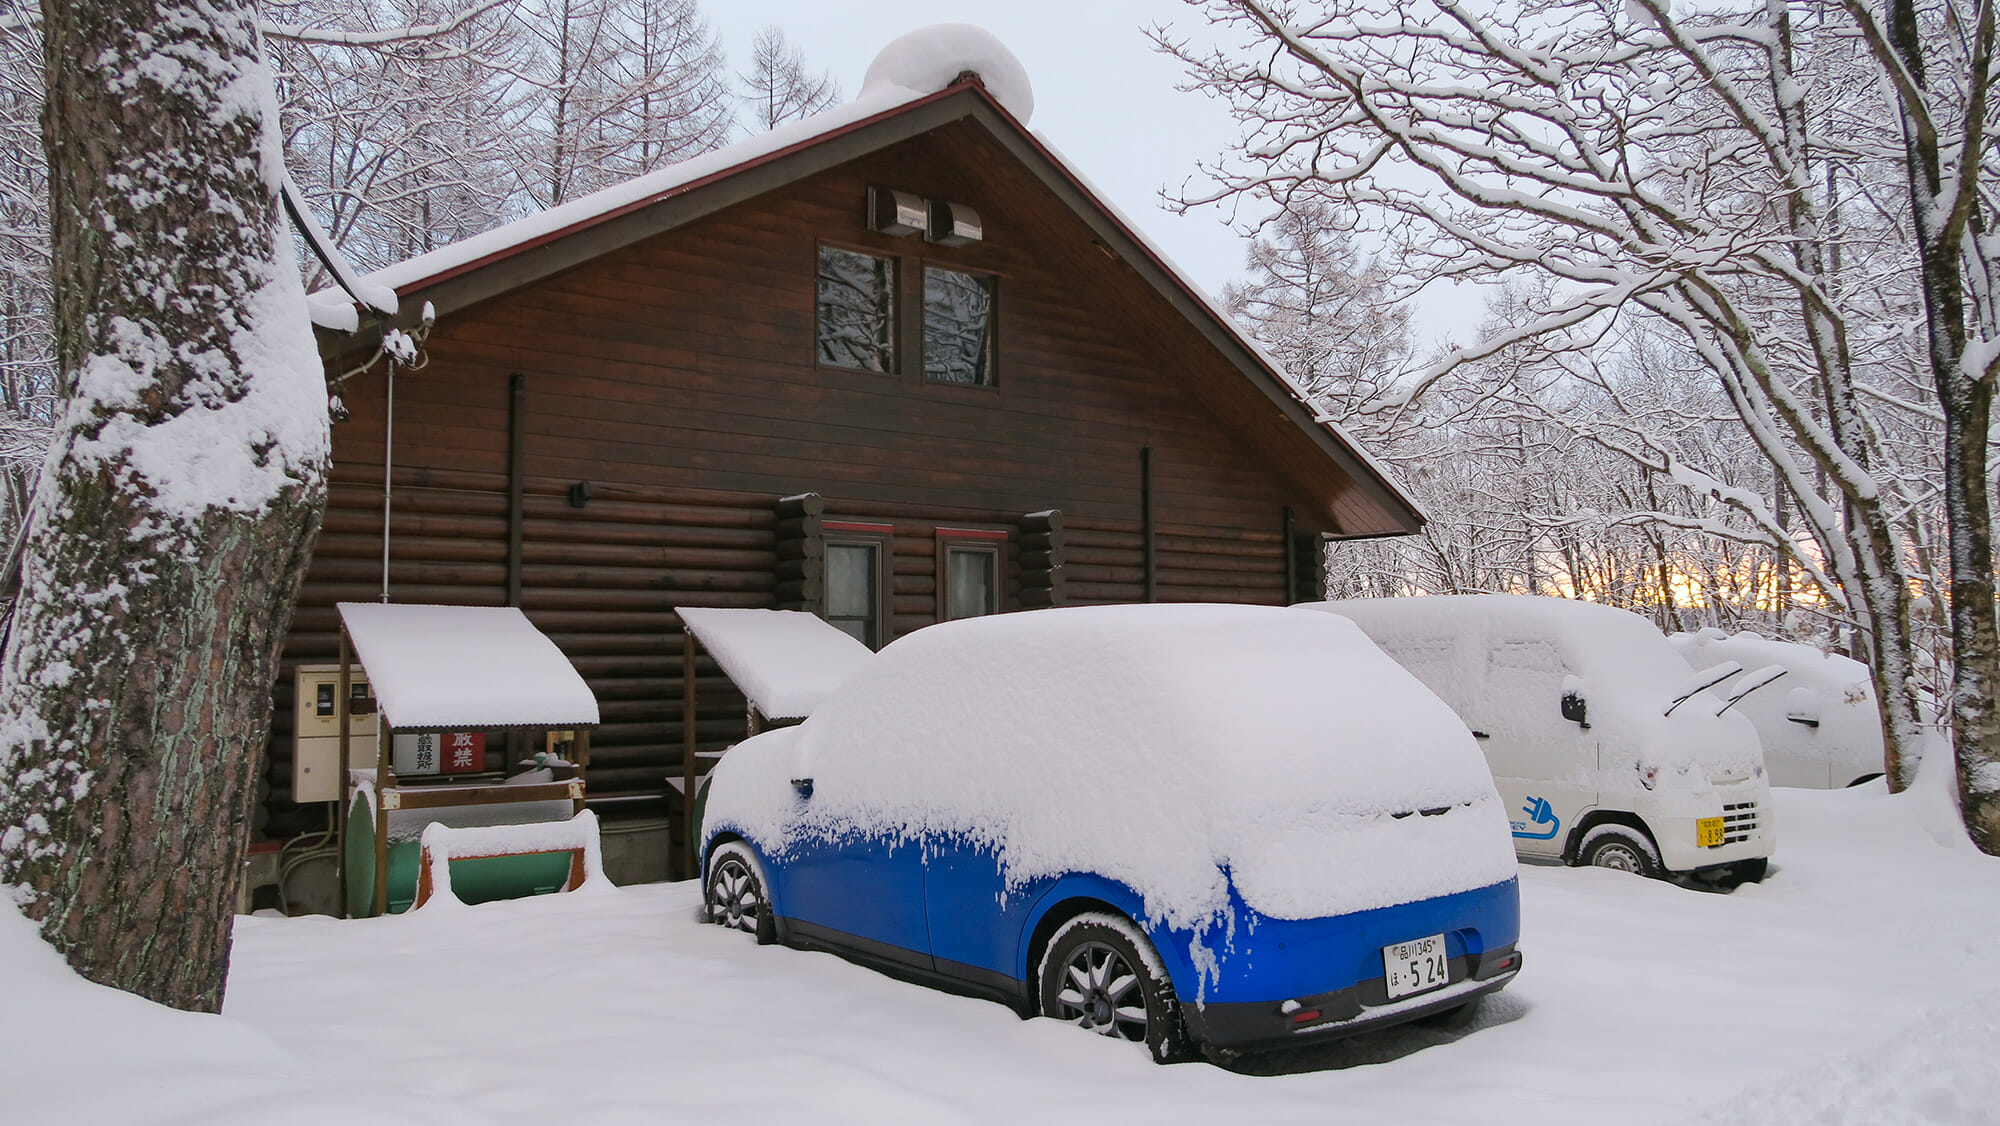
547,243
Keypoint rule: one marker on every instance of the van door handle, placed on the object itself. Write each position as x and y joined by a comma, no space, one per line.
1478,734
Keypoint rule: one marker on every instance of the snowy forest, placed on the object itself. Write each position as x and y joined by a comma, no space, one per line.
1727,277
414,124
409,125
1735,362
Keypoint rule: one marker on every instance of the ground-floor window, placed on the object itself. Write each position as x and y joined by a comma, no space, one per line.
969,572
856,582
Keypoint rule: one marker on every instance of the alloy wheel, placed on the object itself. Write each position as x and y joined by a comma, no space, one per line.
1101,992
735,898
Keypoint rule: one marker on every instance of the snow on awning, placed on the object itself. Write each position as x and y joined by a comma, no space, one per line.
464,666
785,661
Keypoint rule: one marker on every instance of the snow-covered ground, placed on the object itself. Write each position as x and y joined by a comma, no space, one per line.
1857,986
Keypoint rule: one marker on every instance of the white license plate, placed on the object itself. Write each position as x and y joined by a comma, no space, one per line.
1415,966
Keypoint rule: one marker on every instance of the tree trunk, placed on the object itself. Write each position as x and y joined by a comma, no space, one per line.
1966,396
179,504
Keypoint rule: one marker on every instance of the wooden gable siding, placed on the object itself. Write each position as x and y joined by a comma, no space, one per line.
676,376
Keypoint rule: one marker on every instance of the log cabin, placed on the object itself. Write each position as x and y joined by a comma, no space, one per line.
893,364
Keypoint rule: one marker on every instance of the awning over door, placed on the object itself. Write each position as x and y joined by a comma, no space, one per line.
785,661
464,666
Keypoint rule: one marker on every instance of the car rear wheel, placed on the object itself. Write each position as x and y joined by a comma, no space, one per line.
1100,973
1619,849
734,894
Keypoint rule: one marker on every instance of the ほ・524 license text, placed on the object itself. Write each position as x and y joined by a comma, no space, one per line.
1415,966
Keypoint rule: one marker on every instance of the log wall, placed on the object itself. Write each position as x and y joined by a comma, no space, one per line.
676,379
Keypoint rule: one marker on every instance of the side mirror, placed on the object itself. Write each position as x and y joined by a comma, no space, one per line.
1574,710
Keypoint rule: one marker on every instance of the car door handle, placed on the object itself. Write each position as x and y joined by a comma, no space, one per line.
804,786
1478,734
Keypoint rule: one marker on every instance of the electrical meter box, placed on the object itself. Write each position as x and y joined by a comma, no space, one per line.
316,730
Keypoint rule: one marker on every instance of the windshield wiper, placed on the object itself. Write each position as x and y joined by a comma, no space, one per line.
1752,683
1706,678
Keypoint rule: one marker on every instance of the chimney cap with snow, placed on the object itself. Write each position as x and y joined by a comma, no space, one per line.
933,58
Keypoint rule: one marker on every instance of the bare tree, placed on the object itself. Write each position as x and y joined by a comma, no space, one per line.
400,119
616,88
179,505
1698,167
779,87
29,395
1323,310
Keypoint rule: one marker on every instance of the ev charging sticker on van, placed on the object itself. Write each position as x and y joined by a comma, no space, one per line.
1539,812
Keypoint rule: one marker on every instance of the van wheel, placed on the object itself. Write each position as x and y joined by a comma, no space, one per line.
1100,973
1619,849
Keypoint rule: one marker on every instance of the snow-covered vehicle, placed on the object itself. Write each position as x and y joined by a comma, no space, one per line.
1819,724
1606,749
1163,823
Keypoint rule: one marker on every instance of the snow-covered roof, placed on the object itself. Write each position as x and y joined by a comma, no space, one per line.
471,666
785,661
920,66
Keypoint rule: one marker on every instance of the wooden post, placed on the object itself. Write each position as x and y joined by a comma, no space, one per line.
382,740
1291,560
580,750
688,713
340,813
517,460
1146,523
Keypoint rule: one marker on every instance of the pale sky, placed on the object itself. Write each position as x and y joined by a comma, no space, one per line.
1103,96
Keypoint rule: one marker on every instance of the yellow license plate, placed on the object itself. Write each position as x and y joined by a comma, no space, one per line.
1708,832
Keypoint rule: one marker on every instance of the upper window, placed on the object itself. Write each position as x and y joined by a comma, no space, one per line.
857,310
958,327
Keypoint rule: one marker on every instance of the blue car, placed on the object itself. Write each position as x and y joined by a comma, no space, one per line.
1166,824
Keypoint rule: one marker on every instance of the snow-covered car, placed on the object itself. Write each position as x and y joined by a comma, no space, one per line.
1818,724
1163,823
1608,751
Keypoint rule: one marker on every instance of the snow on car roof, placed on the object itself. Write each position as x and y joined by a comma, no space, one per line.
1614,643
1805,663
785,661
473,666
1175,748
1617,660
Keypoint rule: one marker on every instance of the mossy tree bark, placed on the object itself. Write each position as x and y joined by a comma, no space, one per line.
178,507
1944,159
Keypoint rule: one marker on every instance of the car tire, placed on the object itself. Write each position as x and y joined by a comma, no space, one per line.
1621,849
1096,965
735,894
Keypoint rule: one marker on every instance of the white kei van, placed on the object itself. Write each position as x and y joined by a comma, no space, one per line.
1819,724
1606,750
